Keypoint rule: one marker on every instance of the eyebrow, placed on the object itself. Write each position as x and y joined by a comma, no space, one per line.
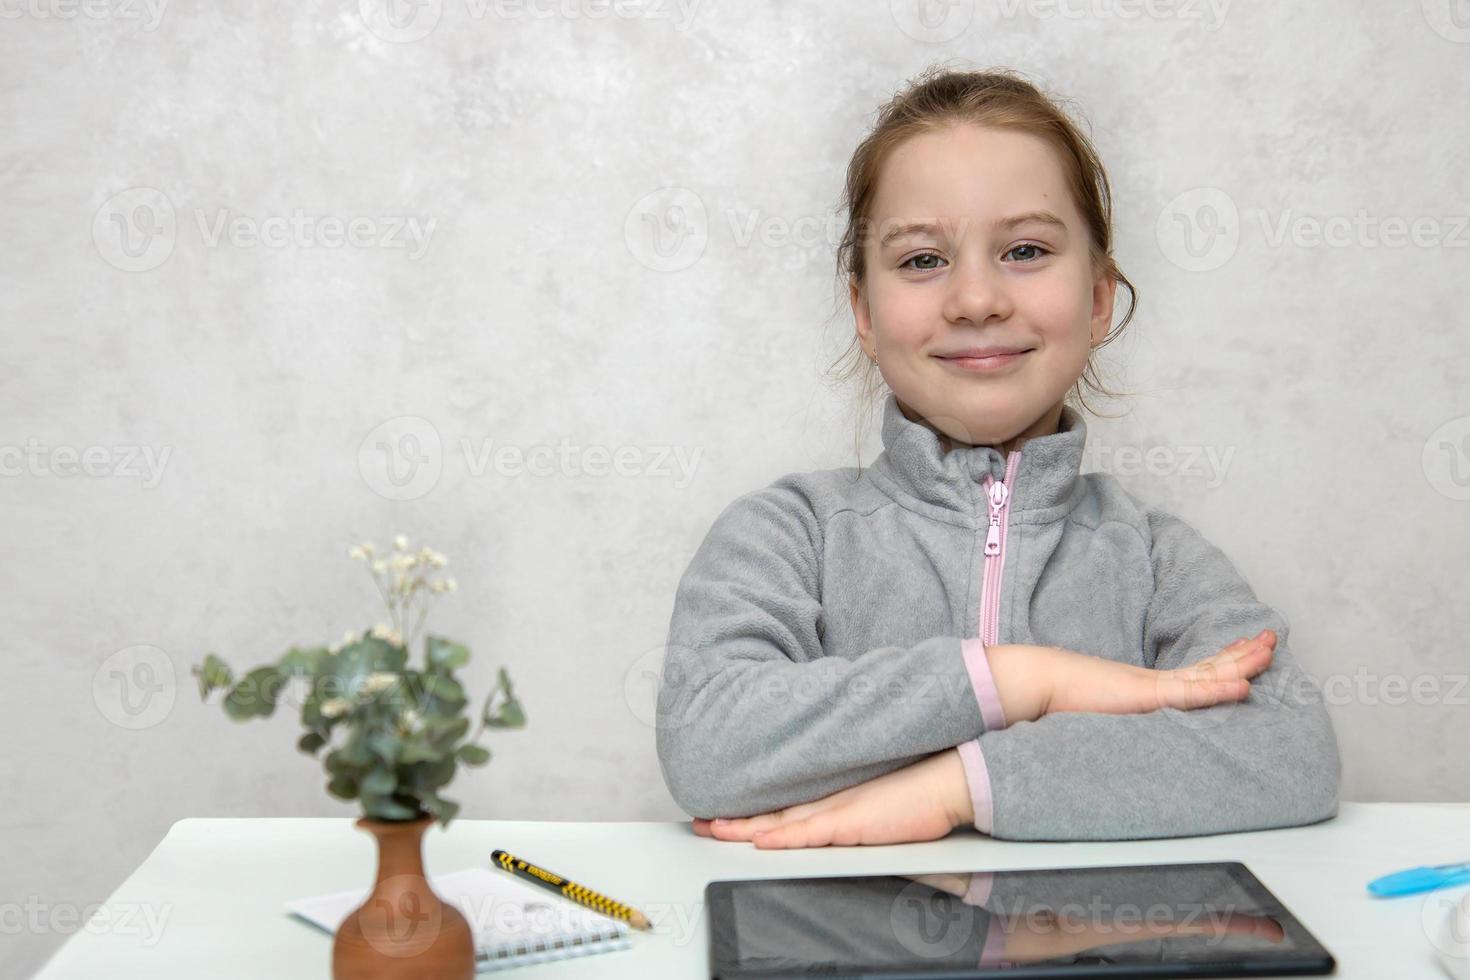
1003,224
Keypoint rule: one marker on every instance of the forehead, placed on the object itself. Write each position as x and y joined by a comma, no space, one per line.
969,171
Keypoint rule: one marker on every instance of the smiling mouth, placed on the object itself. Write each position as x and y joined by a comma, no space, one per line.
981,364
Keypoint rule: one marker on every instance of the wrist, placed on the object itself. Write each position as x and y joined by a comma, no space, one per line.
1023,676
958,803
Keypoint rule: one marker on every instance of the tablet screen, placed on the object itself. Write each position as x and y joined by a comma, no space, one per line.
1162,920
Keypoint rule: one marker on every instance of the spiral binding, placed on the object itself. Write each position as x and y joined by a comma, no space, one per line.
544,950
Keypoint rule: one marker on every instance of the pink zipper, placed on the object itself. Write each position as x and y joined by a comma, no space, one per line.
999,495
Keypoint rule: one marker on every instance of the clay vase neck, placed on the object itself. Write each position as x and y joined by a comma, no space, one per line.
403,929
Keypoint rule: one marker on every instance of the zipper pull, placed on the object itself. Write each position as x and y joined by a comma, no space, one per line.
998,496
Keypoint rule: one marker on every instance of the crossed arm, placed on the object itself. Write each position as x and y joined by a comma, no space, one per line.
829,769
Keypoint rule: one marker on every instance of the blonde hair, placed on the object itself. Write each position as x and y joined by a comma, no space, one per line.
1002,99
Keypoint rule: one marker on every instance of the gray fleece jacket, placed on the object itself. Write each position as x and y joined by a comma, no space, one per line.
832,627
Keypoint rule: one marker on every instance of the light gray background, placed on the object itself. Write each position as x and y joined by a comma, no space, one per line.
1328,379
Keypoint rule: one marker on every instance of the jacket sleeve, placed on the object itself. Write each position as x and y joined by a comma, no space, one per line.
1268,761
752,716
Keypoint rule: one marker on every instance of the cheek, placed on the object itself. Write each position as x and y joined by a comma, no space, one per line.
899,313
1058,310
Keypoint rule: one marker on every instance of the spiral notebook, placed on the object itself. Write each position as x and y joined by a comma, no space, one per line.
515,923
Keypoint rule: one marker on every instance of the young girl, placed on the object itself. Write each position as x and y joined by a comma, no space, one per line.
971,631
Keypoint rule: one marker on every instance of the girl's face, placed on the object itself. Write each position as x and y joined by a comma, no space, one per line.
958,257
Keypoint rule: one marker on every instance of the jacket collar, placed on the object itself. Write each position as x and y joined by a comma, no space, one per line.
913,469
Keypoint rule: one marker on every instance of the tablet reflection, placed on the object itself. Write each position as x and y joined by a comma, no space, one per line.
930,922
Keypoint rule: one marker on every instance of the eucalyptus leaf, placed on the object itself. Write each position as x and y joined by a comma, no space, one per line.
386,808
417,750
502,710
343,787
310,742
386,745
302,662
444,654
474,755
254,695
213,675
445,813
379,782
445,735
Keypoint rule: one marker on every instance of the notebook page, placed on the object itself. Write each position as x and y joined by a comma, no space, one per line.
508,916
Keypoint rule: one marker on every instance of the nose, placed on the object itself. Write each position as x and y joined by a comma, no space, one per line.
976,293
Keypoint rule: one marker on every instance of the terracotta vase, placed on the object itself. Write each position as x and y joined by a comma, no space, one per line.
402,929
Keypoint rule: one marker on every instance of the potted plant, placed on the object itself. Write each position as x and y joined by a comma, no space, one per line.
394,736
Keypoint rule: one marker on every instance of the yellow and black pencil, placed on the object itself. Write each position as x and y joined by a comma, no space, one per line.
580,894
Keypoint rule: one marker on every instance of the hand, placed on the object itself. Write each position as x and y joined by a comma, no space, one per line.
919,802
1084,683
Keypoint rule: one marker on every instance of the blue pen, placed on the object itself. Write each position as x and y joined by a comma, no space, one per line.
1420,879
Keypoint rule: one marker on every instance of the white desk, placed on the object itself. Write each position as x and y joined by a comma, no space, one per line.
217,886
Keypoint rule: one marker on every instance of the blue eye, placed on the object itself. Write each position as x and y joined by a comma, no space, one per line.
1030,245
921,255
909,262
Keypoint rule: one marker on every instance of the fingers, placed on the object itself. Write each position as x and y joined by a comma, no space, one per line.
1243,658
818,830
744,828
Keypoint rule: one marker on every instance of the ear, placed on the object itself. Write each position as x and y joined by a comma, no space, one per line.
860,314
1104,292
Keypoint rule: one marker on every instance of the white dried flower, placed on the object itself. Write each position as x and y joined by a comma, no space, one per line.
411,720
335,707
436,587
385,632
357,553
400,542
380,566
433,558
378,681
451,584
402,563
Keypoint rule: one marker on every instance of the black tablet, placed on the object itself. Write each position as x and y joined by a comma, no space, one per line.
1158,920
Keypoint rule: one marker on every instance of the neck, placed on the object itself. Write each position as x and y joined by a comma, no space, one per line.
1044,426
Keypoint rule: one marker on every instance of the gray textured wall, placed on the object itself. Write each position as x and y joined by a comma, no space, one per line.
208,394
